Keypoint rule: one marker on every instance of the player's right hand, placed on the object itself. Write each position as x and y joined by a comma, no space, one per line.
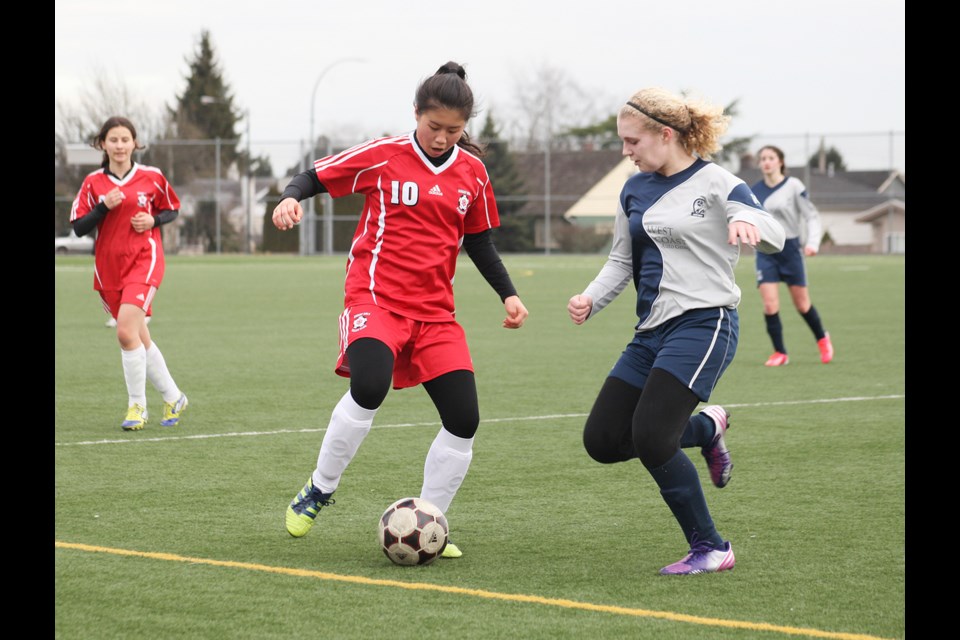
287,214
579,308
113,198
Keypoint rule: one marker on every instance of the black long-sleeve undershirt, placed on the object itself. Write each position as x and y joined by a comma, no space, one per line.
86,224
303,185
480,248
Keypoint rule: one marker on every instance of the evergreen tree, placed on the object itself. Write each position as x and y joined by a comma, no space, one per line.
274,240
733,148
831,157
204,111
515,233
602,134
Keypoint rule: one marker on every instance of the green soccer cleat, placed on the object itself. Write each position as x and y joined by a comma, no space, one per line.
136,418
304,508
172,411
451,551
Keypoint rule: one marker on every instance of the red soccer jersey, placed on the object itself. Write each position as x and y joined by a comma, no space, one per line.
404,252
124,256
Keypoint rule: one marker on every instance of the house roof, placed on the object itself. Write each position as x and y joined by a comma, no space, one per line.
601,199
843,190
881,210
572,174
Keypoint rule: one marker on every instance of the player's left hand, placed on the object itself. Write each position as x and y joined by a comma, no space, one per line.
579,308
740,231
142,221
516,313
809,251
287,214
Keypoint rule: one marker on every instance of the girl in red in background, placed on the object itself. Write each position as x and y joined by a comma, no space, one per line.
127,202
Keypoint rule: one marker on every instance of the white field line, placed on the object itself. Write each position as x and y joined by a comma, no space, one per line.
203,436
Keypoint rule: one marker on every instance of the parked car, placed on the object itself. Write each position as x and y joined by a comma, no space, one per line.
71,243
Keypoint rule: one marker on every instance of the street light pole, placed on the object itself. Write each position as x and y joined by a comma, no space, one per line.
249,187
217,189
308,229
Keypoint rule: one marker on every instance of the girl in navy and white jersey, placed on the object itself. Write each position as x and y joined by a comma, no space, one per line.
427,194
785,197
677,235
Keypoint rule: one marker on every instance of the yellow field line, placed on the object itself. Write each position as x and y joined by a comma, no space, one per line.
478,593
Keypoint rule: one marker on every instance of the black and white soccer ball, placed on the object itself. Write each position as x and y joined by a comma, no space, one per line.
412,531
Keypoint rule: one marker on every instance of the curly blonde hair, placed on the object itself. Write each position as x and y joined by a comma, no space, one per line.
698,123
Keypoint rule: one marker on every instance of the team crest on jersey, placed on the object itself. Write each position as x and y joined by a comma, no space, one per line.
462,204
360,322
141,200
699,207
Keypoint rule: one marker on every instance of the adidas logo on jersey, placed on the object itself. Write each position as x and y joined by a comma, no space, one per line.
435,191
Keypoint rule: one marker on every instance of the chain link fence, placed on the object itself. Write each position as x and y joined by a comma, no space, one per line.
226,206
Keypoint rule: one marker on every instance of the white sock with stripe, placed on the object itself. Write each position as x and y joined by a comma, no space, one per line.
159,376
135,375
445,468
349,425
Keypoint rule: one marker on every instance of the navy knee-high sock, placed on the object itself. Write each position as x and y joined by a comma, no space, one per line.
699,431
813,321
680,487
775,329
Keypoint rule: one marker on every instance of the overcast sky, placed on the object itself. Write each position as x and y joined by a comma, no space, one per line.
798,68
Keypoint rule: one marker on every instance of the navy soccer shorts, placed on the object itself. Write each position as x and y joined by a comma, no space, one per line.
695,348
786,266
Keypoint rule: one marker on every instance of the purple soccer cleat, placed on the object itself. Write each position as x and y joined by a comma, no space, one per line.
716,453
703,558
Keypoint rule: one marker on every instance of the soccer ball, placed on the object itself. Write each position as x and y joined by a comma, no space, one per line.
412,531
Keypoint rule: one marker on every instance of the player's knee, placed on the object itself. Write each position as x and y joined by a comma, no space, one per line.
464,426
369,391
653,449
127,337
601,449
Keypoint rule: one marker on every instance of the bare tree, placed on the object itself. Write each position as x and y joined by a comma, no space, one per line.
548,100
101,98
79,120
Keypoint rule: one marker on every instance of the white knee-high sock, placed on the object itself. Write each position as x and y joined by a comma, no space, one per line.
445,468
349,425
135,374
159,376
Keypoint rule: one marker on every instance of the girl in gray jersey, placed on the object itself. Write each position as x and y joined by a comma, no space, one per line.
677,237
786,199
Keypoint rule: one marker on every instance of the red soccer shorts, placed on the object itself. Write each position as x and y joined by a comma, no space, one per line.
139,295
422,351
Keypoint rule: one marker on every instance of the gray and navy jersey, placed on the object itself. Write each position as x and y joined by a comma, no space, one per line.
789,203
670,237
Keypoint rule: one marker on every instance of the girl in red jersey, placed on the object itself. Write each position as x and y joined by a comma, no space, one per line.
126,203
427,194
